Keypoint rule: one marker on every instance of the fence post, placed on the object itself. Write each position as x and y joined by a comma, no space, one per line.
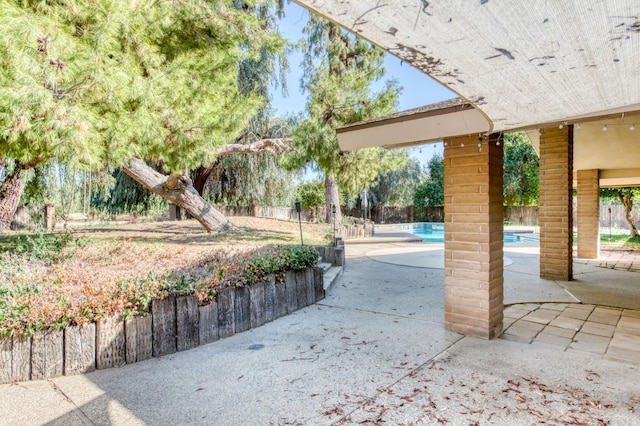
49,217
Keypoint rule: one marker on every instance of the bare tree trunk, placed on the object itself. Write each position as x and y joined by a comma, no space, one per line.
179,191
10,193
626,198
332,197
200,176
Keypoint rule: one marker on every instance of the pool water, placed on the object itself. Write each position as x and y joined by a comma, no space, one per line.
438,237
434,233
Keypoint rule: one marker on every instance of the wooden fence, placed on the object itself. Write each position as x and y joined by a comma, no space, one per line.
518,215
33,217
615,218
280,213
358,229
176,323
521,215
409,214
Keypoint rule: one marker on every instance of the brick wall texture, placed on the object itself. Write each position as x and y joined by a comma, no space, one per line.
588,217
473,235
556,207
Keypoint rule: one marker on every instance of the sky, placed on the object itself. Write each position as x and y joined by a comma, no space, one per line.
418,88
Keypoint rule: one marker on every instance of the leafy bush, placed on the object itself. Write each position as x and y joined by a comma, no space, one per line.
276,260
311,194
42,246
227,269
30,302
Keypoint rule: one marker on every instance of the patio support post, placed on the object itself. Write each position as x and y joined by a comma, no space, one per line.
473,248
556,203
588,214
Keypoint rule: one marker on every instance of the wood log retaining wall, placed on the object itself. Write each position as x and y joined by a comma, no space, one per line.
357,230
333,255
176,323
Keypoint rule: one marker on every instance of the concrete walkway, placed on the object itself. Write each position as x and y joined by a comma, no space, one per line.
373,352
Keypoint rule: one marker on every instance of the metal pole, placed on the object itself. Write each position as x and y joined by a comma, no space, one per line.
299,210
333,210
609,223
300,222
365,204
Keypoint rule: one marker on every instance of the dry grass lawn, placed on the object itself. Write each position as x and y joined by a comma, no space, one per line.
107,253
129,250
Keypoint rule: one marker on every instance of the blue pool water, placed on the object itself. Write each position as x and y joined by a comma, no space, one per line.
434,233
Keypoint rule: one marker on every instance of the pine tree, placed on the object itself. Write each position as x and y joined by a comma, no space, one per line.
256,76
98,84
339,70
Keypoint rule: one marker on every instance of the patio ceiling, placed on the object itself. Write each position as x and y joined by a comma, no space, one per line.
522,63
608,145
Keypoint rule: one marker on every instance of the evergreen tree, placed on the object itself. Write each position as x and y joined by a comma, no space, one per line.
256,75
521,171
430,193
257,178
95,84
250,180
338,72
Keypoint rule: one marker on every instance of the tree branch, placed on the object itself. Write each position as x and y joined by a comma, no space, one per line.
272,146
178,190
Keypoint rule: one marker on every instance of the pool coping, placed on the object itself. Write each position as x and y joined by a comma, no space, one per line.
389,233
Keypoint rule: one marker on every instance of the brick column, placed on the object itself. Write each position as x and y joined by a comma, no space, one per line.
473,231
556,206
588,214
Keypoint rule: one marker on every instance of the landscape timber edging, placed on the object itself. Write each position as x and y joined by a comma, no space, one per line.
174,324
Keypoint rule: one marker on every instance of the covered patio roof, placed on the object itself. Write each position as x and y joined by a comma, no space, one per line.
522,64
420,125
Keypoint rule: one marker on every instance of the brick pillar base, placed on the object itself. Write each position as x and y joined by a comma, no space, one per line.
588,214
473,255
556,206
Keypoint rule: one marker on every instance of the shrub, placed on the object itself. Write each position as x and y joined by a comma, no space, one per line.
276,260
41,246
311,194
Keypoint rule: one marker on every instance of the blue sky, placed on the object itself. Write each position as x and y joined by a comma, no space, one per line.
418,88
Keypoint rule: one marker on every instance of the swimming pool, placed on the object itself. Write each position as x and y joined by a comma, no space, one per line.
434,233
